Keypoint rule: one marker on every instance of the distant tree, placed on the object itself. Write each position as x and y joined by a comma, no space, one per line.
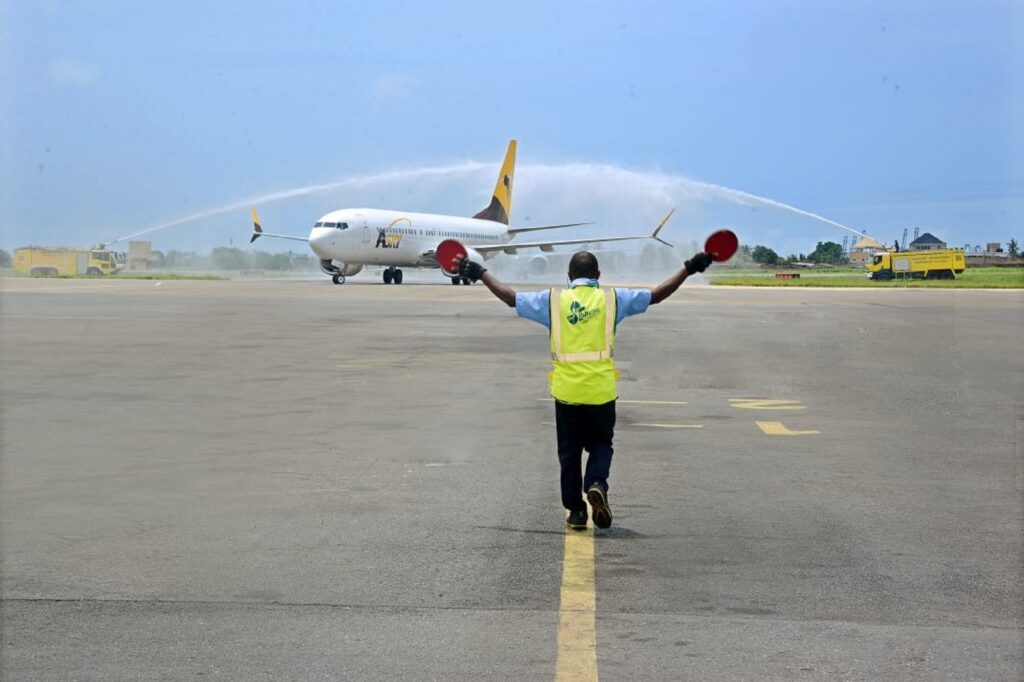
764,255
181,259
303,261
1013,247
828,252
229,258
5,259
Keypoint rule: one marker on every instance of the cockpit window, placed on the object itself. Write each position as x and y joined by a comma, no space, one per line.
342,226
329,224
319,224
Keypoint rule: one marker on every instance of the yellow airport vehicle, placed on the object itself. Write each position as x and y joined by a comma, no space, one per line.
65,262
944,264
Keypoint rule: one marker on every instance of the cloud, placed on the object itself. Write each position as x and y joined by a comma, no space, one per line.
390,87
67,71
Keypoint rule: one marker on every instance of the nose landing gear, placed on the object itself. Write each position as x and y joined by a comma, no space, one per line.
338,279
392,274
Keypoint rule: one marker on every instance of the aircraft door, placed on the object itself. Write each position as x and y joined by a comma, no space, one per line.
364,229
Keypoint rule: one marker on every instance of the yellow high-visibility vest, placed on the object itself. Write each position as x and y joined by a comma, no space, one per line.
582,345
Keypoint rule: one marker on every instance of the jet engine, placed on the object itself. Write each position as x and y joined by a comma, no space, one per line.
538,266
346,270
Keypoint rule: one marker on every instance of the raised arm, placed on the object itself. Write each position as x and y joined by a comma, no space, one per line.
502,291
698,263
475,271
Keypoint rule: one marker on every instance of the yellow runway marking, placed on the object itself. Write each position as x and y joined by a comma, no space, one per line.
577,610
766,404
779,429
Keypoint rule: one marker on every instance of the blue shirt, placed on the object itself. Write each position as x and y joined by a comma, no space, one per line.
536,305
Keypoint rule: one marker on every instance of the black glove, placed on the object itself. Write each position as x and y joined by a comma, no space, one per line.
473,271
699,263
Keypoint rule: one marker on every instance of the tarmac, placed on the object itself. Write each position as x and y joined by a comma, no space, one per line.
247,480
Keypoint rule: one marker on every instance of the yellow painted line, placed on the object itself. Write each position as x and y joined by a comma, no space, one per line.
779,429
766,404
577,610
631,402
671,426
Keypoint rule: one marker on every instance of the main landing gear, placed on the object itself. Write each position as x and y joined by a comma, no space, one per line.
463,280
392,274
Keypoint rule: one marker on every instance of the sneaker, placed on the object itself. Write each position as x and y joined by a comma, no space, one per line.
599,502
577,519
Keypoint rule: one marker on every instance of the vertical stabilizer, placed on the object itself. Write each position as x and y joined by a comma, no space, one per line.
501,202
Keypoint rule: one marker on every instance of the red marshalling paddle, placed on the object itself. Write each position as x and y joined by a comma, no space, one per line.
449,253
721,245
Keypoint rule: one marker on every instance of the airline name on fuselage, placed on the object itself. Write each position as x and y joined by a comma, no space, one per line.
387,240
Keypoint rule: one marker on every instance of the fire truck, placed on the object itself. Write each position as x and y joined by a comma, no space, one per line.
944,264
41,262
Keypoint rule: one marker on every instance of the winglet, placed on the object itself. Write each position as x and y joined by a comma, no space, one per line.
661,225
257,230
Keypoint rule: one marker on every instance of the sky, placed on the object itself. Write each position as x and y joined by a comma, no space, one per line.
119,117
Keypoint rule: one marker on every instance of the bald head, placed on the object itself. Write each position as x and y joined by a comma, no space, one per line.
583,264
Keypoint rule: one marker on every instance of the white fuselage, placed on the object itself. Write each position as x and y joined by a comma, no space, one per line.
371,236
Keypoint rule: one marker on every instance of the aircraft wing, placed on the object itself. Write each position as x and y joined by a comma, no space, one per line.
257,231
517,230
549,245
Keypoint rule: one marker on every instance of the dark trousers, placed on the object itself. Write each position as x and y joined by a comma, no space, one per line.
580,427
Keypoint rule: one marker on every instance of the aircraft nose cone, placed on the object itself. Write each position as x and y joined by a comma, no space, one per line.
320,241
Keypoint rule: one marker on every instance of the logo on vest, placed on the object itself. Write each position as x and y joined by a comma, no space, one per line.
579,313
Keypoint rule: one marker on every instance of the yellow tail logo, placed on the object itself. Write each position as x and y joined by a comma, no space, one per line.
500,207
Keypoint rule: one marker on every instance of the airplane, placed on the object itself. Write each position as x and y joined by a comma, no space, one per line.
348,239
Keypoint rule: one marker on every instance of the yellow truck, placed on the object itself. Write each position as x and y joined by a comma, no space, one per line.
65,262
944,264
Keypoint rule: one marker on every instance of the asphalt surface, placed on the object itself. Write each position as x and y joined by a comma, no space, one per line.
294,480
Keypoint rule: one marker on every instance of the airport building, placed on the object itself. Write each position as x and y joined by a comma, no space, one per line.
927,242
861,251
